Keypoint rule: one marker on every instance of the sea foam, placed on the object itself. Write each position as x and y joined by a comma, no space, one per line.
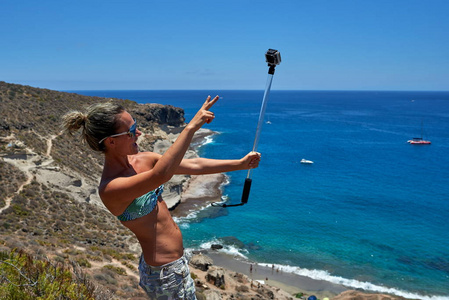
227,249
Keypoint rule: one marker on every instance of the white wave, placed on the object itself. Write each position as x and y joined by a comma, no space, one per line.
209,139
227,181
227,249
185,220
184,225
182,221
352,283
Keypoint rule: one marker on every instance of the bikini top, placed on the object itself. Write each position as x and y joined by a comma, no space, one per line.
141,206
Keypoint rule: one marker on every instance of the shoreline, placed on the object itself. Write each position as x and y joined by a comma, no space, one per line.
200,191
289,282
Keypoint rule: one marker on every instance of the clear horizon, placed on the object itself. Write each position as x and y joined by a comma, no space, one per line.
261,89
202,45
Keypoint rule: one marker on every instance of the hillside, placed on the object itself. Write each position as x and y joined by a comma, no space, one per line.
48,199
32,116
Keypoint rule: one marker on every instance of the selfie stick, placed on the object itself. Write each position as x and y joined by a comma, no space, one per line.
273,58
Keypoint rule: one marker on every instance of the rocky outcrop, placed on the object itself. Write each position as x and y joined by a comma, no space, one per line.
216,276
161,114
201,262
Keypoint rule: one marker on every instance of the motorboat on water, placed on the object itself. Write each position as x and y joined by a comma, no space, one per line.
306,161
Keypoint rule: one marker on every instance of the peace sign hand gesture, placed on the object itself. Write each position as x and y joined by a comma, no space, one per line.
203,115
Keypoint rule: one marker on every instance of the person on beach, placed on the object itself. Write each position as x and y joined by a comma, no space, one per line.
132,183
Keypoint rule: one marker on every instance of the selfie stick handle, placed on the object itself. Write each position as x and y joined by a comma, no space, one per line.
248,180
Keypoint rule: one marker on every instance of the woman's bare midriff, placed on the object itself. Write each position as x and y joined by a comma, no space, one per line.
159,236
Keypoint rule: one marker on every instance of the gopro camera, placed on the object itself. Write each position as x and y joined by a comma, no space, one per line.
273,57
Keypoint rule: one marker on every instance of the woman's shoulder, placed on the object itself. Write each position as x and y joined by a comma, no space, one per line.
144,158
145,155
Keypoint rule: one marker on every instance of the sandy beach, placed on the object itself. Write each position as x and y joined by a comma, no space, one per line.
200,190
288,282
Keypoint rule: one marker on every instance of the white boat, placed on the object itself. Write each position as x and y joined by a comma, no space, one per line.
306,161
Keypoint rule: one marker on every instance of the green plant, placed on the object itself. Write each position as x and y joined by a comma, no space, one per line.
24,277
19,210
83,262
115,269
128,265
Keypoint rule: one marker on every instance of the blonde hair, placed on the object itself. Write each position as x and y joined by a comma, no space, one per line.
100,121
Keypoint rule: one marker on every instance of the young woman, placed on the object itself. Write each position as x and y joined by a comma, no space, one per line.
132,183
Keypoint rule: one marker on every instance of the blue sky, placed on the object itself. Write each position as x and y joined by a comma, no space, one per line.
133,44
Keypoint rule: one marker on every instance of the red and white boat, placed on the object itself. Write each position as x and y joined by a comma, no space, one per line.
418,141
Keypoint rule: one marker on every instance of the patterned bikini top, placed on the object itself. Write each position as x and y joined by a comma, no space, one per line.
142,205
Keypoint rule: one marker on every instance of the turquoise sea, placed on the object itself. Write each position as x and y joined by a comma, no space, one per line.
371,212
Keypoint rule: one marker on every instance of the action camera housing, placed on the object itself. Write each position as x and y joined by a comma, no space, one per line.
273,57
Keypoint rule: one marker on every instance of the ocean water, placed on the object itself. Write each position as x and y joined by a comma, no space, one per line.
371,212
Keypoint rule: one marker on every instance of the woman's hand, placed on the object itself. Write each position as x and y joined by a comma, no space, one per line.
203,115
251,160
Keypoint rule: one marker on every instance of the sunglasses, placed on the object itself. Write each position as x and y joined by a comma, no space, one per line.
131,132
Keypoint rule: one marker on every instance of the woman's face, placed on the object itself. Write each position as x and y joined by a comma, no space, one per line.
127,143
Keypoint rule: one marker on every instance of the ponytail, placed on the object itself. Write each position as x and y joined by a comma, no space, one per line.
100,121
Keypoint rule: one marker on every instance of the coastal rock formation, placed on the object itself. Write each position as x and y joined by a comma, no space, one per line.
201,262
162,114
215,275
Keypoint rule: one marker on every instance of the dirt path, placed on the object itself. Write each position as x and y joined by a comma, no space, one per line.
114,262
9,199
50,144
28,164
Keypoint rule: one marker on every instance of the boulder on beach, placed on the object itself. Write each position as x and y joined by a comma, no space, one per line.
201,262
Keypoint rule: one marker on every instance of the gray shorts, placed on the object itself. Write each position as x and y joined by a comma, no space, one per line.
167,282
